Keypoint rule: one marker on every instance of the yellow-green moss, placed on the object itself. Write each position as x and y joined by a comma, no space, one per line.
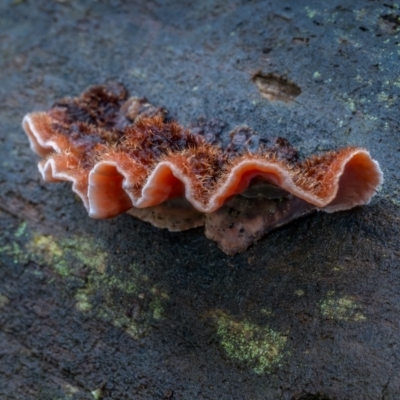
341,308
258,347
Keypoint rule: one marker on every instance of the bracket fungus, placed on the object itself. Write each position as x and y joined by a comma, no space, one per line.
123,155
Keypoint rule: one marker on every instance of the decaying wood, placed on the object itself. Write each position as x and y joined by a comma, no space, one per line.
119,309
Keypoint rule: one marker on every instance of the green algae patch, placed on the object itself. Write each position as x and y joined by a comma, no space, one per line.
338,268
16,252
97,394
21,230
119,295
44,249
82,301
70,389
4,300
15,248
122,297
87,251
258,347
311,13
66,255
156,308
341,308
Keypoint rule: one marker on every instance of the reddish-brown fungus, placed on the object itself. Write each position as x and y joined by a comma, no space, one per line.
122,155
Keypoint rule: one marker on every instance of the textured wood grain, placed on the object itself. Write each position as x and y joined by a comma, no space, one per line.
118,309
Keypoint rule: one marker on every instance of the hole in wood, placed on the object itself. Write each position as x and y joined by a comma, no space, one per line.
274,87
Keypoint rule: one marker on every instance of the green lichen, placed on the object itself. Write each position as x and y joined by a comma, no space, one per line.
121,295
67,255
138,73
108,295
44,249
4,300
97,394
266,311
15,248
87,251
16,252
70,390
387,99
394,198
82,300
341,308
21,230
396,82
317,75
311,13
351,103
258,347
123,298
156,308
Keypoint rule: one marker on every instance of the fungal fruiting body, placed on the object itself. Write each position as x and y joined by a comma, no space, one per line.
122,155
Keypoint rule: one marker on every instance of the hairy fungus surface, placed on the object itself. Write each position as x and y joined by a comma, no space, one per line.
123,154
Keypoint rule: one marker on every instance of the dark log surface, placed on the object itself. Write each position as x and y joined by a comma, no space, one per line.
119,309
